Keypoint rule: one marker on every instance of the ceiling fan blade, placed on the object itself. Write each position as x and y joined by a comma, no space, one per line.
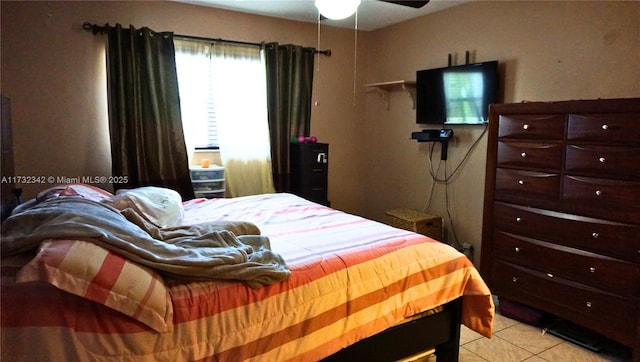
414,4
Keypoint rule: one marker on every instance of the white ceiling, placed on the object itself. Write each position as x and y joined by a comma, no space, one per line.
372,14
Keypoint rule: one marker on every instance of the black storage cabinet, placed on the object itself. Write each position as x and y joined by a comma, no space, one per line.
309,171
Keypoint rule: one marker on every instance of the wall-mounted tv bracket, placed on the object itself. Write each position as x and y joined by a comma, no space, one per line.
435,135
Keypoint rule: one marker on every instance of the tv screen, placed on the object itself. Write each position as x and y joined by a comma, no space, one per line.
456,95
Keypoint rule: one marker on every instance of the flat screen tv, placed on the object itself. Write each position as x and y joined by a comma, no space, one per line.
456,95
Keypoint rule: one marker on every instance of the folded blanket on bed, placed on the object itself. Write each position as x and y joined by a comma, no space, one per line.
197,252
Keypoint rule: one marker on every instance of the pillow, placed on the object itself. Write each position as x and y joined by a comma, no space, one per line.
160,206
79,190
94,273
86,191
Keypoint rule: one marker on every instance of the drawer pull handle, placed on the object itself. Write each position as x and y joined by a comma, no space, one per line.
592,269
598,193
525,126
520,182
518,219
523,155
595,235
605,127
588,304
517,249
601,159
515,279
550,275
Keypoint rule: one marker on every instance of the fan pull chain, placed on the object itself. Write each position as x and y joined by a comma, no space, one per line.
318,47
355,58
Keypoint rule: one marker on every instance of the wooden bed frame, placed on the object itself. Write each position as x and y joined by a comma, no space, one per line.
440,331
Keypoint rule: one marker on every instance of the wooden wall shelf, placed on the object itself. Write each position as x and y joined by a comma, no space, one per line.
384,88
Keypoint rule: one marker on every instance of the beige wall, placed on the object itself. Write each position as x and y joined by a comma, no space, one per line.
547,50
53,72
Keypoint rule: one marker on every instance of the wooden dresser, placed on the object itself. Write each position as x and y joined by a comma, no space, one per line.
561,229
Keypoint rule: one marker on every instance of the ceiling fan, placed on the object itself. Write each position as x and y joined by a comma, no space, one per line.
411,3
340,9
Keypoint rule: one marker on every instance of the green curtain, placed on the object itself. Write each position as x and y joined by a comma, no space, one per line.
289,88
147,140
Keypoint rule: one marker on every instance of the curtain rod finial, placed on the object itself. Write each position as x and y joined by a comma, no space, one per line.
94,28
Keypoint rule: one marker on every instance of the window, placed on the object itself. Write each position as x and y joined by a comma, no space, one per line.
194,68
223,99
222,95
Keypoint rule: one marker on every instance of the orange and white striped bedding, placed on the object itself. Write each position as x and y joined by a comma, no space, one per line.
350,278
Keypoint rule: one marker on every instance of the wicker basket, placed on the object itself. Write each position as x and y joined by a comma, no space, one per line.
416,221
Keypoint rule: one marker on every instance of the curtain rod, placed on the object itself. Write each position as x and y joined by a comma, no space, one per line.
97,29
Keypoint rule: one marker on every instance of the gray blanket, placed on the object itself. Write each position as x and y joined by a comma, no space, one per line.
198,252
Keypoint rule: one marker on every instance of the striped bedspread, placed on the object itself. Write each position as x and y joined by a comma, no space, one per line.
350,278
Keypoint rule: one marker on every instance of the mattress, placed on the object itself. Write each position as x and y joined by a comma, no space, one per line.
350,278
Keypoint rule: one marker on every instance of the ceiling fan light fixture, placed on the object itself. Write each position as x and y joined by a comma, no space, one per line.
337,9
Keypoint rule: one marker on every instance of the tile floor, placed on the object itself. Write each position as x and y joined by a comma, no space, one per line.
514,341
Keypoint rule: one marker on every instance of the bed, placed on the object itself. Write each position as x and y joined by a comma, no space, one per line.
325,285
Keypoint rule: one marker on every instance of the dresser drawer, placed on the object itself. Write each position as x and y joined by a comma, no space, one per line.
206,174
310,154
591,269
612,315
603,161
207,186
617,240
532,127
210,194
527,183
311,176
316,193
616,128
530,155
311,184
610,199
